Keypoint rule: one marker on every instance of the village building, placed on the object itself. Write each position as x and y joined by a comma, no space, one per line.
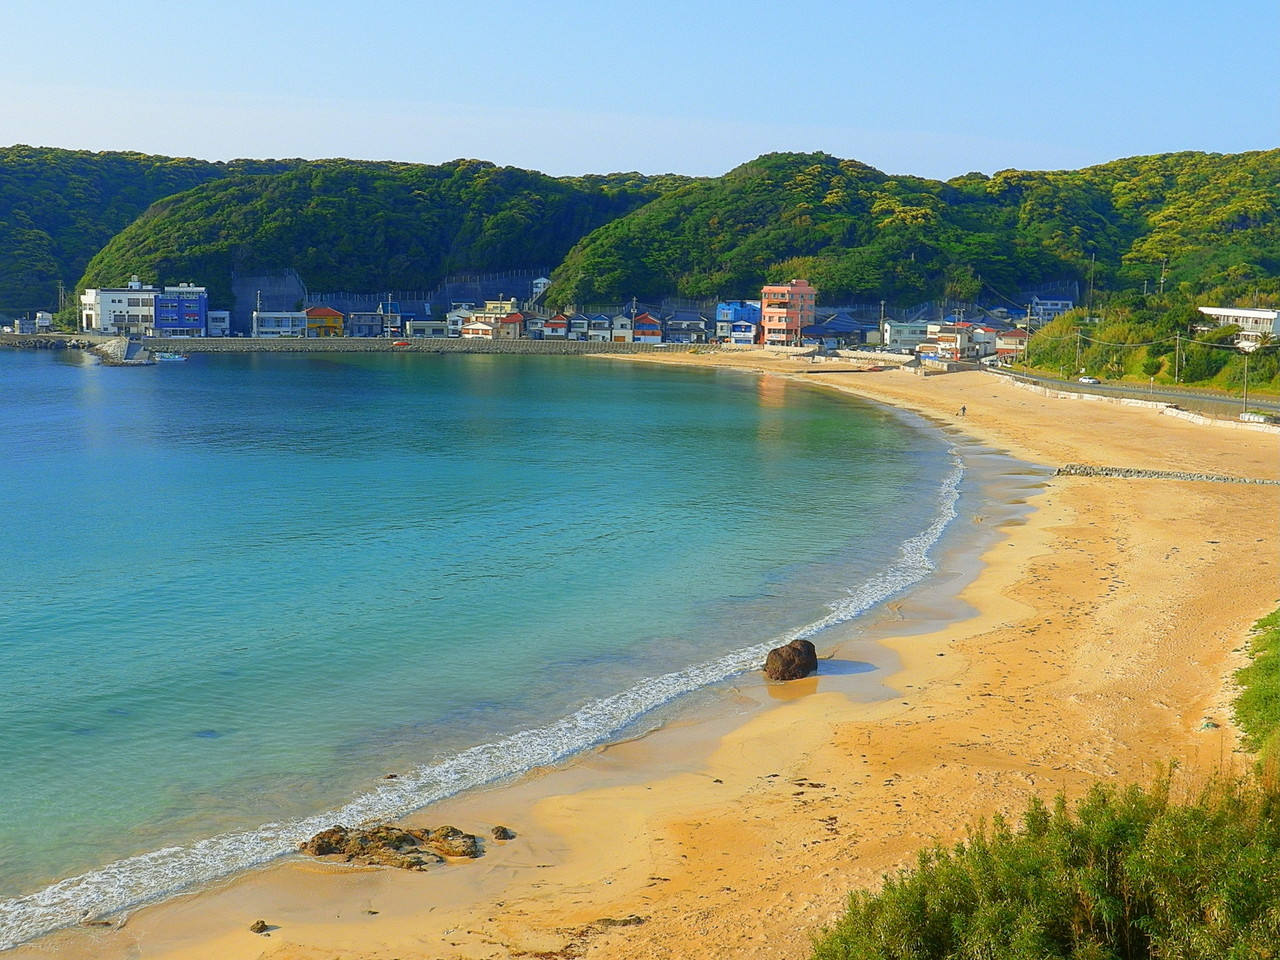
324,322
785,310
276,324
1253,323
1011,344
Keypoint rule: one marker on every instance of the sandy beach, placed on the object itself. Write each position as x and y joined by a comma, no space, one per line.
1104,633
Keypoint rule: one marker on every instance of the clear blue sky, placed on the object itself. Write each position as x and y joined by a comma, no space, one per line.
688,86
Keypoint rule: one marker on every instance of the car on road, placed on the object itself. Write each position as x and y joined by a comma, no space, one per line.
1089,380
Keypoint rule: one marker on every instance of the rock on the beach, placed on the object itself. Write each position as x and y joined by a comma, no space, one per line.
258,926
452,842
797,659
388,846
503,833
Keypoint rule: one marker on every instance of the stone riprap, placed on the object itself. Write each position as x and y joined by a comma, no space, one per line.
1129,473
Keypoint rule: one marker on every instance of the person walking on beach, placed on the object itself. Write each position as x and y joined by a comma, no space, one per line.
962,410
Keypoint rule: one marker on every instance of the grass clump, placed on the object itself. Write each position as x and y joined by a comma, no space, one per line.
1258,706
1125,874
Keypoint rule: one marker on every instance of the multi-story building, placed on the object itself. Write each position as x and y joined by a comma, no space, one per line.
324,321
900,335
1253,322
219,323
122,311
646,328
274,324
1011,344
785,310
736,317
182,311
144,310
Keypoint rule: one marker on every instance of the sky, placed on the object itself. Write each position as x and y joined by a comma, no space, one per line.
930,88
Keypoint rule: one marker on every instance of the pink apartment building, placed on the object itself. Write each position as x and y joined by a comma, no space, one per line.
785,310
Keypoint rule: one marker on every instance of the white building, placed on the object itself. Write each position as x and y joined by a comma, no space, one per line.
1253,323
1044,310
120,311
901,335
460,314
282,323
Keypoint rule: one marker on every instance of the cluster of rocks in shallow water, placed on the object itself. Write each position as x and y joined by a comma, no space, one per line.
402,847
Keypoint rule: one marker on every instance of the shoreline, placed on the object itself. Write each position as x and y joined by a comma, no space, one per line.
1091,652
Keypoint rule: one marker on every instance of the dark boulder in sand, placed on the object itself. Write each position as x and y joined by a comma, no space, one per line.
797,659
388,846
503,833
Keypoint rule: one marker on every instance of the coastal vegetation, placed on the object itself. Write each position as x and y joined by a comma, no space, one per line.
1164,344
60,207
1183,225
1124,874
1182,221
352,225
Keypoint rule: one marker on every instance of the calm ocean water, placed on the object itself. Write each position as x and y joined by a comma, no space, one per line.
240,589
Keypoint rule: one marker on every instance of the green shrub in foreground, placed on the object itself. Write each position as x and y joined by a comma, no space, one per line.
1123,874
1258,706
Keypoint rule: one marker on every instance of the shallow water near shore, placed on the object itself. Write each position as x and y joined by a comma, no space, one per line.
264,582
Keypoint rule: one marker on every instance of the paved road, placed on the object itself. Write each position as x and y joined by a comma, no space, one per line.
1215,404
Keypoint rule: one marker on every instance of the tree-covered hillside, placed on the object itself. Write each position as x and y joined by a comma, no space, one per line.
59,207
350,225
860,234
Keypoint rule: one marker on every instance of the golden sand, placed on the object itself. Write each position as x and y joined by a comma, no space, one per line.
1106,631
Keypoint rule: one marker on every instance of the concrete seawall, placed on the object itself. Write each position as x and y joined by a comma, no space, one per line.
416,345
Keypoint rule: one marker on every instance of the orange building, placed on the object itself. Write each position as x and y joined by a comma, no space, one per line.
324,322
785,310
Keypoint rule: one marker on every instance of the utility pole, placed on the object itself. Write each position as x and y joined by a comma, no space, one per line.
1093,263
1177,350
1163,263
1077,348
883,345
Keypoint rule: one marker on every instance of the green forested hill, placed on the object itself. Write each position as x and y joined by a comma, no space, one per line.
860,234
855,232
59,207
352,225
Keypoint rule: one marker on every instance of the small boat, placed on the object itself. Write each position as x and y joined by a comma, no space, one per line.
162,356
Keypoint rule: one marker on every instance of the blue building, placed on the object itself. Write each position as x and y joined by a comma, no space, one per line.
182,311
738,320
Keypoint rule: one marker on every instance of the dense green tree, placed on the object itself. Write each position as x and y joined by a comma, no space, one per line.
859,234
59,207
347,225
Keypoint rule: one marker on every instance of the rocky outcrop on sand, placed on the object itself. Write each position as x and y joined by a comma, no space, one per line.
797,659
387,846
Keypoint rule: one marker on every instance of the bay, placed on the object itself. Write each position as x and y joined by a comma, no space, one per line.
241,589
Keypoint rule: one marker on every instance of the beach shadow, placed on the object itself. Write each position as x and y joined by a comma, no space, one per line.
795,689
843,668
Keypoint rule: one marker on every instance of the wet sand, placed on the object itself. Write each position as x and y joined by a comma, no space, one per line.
1097,641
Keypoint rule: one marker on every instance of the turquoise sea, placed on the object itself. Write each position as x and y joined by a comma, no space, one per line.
238,590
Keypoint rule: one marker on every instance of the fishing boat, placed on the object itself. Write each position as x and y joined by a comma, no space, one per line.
169,357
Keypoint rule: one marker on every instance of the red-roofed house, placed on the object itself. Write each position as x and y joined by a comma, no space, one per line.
324,322
1011,343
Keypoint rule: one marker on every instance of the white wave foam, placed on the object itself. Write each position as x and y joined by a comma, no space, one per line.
162,873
